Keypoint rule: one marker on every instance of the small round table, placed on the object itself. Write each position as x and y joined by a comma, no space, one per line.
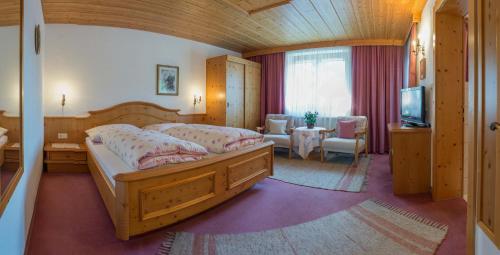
305,140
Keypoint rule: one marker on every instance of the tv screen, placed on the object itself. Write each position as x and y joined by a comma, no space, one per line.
413,105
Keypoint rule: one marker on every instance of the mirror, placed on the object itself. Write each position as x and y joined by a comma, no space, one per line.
10,99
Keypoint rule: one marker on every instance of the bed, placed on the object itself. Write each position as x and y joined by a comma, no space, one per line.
144,200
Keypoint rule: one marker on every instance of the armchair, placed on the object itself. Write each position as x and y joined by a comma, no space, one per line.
280,140
358,144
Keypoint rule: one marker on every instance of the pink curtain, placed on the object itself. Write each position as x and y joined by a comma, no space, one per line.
272,84
377,80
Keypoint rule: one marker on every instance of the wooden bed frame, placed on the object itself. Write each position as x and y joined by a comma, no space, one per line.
150,199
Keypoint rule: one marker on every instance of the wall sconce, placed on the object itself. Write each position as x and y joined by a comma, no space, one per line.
197,100
418,47
63,102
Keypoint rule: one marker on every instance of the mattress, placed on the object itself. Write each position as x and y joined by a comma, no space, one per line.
109,162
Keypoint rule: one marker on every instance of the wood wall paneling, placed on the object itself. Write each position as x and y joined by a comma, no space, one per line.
138,113
246,25
448,115
11,123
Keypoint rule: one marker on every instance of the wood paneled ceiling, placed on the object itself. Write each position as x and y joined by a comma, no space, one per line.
248,25
9,12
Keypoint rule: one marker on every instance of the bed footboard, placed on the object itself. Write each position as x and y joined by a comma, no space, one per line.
148,200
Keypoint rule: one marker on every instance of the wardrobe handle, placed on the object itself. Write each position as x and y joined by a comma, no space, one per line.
227,105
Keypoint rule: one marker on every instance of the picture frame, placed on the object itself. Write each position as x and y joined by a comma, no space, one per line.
423,64
167,80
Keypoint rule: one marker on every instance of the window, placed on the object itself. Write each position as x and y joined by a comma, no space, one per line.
318,80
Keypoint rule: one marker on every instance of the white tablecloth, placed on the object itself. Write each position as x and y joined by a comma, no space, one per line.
305,140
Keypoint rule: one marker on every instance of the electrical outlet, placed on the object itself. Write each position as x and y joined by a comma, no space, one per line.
62,135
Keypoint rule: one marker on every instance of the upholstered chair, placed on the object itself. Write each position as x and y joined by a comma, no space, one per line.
280,140
330,142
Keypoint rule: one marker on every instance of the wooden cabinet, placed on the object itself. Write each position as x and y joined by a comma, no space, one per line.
233,92
73,160
410,159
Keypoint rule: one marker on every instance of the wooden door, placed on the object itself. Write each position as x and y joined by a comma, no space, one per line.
489,176
252,96
235,83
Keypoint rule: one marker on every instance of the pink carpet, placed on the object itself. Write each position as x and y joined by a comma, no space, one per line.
70,217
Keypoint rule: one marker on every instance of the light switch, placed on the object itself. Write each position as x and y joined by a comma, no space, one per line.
62,135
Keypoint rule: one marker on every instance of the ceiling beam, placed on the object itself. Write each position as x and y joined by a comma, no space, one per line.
236,7
416,10
267,7
323,44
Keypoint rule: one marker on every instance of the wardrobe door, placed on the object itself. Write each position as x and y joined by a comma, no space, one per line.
216,91
252,96
235,83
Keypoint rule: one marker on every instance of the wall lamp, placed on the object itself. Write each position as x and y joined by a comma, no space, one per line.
63,102
418,47
197,100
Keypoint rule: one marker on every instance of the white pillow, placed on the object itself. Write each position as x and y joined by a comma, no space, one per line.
3,131
277,127
95,133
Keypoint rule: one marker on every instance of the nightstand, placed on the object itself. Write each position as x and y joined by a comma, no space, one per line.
66,158
11,157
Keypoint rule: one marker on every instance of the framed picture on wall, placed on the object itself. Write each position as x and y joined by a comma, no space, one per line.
422,68
167,80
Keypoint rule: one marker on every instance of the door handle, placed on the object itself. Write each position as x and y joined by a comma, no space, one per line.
494,126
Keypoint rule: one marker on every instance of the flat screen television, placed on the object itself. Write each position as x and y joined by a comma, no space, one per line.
413,106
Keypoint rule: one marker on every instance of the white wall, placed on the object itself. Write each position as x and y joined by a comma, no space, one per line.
15,221
9,69
484,246
425,32
101,66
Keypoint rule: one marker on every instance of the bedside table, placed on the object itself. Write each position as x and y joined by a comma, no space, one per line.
11,157
69,160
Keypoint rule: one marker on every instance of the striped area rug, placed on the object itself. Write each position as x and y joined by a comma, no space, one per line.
371,227
338,173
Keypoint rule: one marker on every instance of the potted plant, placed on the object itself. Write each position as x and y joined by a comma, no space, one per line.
310,119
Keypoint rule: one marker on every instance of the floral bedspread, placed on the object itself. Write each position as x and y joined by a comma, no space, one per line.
142,149
215,139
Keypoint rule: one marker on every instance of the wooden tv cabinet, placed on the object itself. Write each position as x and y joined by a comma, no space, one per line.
410,159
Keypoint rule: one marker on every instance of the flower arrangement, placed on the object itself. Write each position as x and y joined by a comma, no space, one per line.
310,119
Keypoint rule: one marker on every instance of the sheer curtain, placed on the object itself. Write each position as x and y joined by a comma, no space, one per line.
318,80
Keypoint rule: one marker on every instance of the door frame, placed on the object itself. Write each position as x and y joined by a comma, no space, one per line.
475,101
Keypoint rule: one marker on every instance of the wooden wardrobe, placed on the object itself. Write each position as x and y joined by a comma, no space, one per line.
233,92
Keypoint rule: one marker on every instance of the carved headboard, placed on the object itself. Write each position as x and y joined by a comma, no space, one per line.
12,124
135,113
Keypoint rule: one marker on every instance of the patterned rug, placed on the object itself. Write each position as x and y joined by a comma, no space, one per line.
371,227
337,173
